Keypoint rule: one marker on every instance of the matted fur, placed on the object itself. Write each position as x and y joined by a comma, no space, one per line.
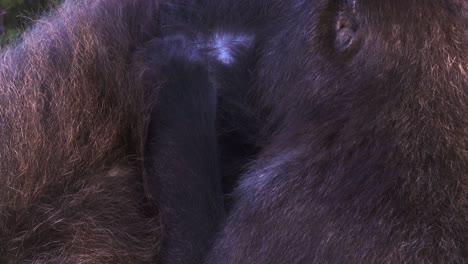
72,129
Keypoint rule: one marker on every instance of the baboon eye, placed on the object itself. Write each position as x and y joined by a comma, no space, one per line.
345,34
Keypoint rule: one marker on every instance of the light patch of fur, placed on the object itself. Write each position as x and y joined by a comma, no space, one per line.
256,180
224,45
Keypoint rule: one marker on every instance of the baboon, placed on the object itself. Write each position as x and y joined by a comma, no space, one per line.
363,153
73,125
358,113
367,155
83,108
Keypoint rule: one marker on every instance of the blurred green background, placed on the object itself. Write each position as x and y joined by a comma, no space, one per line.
18,14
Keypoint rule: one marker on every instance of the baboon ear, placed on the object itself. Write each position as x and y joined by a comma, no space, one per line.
346,26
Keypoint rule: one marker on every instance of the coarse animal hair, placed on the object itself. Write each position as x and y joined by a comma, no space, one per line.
366,104
363,149
72,134
75,113
363,146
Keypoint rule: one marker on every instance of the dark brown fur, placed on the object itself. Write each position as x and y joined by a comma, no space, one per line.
72,130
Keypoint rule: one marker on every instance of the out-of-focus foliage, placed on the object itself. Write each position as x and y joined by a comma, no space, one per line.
17,14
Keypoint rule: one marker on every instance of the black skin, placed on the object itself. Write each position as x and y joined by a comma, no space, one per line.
365,160
182,147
